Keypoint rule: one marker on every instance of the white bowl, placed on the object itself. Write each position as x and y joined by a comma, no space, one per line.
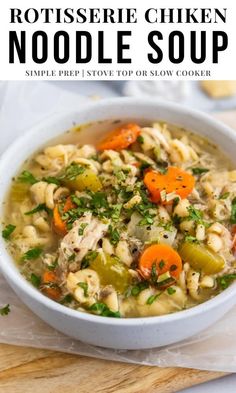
136,333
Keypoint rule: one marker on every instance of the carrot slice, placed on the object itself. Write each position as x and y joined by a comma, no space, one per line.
175,180
53,292
59,225
165,259
49,276
120,138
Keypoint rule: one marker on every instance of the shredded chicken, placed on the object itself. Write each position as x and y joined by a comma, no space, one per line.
78,244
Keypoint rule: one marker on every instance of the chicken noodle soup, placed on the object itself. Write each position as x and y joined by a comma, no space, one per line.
138,223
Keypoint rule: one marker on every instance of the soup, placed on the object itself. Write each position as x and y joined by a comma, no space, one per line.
138,223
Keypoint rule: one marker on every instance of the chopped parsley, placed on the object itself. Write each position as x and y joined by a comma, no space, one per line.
84,286
176,219
226,280
162,167
53,265
233,212
32,253
161,264
39,208
71,257
173,268
115,213
72,171
6,233
225,195
82,228
171,291
140,139
195,214
199,171
143,208
89,257
154,272
113,234
103,310
120,175
67,299
169,280
96,203
35,280
139,287
98,200
5,310
168,226
52,180
27,177
191,239
144,165
146,220
175,202
152,298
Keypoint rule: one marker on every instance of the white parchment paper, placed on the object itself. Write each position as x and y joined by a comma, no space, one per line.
21,105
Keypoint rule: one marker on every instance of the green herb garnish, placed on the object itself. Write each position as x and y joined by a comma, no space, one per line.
120,175
39,208
33,253
52,180
35,280
199,171
6,233
161,264
171,291
116,210
139,287
176,219
175,202
162,167
5,310
152,298
140,139
226,280
102,309
233,212
146,221
82,228
72,171
27,177
89,257
67,299
167,281
195,214
98,200
71,257
84,286
114,235
225,195
191,239
53,265
143,166
173,268
154,272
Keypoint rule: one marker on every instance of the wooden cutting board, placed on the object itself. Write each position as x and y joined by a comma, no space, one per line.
27,370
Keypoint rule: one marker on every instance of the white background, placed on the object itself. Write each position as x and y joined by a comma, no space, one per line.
138,42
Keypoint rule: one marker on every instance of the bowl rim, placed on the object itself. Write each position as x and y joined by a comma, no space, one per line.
10,270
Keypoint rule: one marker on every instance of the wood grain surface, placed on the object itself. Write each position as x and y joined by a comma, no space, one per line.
27,370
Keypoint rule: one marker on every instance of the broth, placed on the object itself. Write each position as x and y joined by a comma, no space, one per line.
102,227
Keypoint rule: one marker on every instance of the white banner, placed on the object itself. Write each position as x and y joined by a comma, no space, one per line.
91,40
